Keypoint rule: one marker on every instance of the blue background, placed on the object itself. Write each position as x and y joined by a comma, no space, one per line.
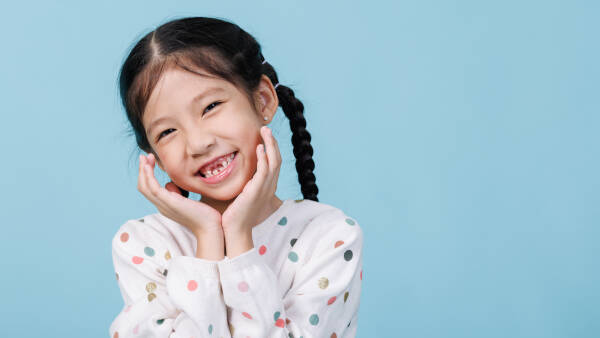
463,137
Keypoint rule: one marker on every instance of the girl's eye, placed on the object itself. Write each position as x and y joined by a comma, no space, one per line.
211,105
163,134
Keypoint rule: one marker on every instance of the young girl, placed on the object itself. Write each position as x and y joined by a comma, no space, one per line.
240,262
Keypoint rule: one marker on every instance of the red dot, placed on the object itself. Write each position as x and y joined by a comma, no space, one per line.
262,249
360,274
338,243
243,286
192,285
280,322
331,300
124,237
247,315
137,260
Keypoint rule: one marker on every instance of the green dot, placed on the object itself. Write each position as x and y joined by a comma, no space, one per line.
314,319
276,315
210,329
293,256
298,201
293,241
348,255
160,321
349,221
141,220
149,251
282,221
290,335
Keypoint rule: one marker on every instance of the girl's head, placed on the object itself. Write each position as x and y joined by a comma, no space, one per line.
197,88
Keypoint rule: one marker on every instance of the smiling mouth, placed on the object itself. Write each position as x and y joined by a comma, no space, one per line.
217,167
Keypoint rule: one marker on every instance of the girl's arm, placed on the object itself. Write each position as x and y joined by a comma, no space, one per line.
164,296
323,301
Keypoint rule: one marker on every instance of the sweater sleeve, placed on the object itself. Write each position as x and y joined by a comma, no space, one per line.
164,296
323,299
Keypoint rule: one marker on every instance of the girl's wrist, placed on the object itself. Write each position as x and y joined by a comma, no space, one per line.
210,246
238,242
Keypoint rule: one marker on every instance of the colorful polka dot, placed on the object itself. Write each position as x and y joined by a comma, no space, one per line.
348,255
160,321
360,274
333,335
124,237
293,256
314,319
349,221
247,315
165,272
141,220
192,285
331,300
210,329
137,260
346,296
149,251
287,321
323,282
280,323
282,221
262,249
276,315
243,286
116,335
150,287
338,243
167,255
298,201
151,297
293,241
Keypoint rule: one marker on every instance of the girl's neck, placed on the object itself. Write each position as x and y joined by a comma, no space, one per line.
221,206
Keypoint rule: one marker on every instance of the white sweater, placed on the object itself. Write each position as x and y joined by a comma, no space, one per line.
302,278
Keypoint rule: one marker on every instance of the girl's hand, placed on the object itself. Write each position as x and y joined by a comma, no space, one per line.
242,214
197,216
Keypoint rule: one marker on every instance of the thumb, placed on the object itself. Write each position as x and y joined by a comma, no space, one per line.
174,188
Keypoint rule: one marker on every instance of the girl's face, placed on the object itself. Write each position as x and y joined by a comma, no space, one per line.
191,120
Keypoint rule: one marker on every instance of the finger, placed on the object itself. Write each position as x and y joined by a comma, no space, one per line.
273,151
262,168
154,192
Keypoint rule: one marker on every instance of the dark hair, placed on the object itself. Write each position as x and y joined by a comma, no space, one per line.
224,50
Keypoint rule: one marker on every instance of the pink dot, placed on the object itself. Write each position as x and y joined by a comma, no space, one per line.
247,315
338,243
243,286
137,260
360,274
192,285
331,300
262,249
280,322
124,237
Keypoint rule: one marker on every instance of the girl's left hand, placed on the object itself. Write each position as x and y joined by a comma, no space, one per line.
241,215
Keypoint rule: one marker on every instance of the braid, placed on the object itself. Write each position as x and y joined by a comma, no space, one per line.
303,151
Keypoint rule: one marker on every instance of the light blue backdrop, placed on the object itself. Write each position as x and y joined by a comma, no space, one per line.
463,136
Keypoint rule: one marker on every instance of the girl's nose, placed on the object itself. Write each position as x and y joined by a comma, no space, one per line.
198,142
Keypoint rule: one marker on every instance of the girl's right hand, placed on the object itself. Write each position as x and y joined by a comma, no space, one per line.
200,218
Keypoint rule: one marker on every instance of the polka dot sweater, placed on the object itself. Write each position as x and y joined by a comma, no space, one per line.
302,278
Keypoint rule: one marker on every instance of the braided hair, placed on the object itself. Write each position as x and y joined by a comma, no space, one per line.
222,49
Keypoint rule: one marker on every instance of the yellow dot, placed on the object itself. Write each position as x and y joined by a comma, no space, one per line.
150,287
167,255
323,282
151,297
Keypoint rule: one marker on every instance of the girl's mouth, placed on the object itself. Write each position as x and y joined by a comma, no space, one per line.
217,172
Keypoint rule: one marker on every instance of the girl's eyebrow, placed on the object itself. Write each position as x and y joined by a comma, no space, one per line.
197,98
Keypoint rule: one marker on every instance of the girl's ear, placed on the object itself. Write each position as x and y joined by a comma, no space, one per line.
267,96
